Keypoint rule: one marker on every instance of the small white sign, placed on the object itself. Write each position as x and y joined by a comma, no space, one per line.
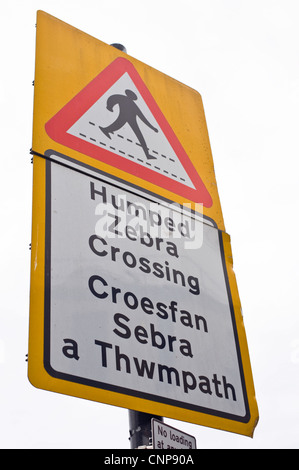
167,437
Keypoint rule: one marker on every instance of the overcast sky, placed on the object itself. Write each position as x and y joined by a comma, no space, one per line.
242,56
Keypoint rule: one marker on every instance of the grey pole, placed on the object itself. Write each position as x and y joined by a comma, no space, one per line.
140,423
119,46
141,428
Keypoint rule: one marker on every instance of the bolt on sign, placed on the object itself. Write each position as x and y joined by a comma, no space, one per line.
133,299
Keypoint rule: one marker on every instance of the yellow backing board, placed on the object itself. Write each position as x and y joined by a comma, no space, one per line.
68,61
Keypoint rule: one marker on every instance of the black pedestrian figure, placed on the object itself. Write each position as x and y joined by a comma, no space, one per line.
128,113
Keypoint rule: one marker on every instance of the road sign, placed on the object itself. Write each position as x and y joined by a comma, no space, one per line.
116,120
140,304
73,86
167,437
133,297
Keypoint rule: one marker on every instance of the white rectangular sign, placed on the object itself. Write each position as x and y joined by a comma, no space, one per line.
167,437
137,298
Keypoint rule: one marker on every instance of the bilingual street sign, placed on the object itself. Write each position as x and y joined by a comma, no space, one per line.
168,437
133,298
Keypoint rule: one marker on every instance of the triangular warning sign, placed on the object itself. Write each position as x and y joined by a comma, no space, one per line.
116,120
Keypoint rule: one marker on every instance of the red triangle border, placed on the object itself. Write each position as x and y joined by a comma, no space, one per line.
61,122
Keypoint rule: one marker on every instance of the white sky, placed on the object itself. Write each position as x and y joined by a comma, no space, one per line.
242,56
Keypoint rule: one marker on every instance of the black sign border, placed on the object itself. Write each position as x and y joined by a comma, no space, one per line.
85,169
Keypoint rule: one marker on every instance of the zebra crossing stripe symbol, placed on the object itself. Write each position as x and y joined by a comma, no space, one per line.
116,120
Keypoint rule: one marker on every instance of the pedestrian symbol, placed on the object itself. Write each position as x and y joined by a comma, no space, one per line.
128,113
116,120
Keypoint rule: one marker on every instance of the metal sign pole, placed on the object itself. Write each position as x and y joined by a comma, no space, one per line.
140,424
141,428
